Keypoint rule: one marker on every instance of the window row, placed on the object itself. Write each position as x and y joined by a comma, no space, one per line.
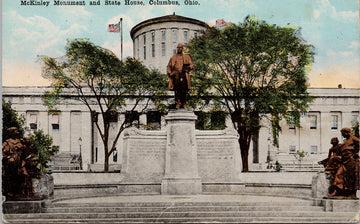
206,120
175,40
313,149
313,121
132,118
54,121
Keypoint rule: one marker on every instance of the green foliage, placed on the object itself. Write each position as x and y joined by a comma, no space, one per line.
11,118
300,155
44,151
40,141
255,69
103,83
213,120
355,128
278,166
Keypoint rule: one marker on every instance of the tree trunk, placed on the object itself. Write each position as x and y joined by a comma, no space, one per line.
244,150
244,142
106,164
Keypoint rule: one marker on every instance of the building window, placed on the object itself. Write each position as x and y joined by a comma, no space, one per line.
113,116
132,118
144,47
144,52
314,149
313,121
153,119
163,39
175,49
115,156
186,37
153,50
96,154
174,34
354,119
195,34
153,44
218,120
137,48
163,49
152,37
163,36
334,122
33,121
215,120
292,149
55,121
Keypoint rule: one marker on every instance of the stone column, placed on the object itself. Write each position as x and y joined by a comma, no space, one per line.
181,167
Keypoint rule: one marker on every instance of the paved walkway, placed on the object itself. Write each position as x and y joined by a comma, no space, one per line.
181,198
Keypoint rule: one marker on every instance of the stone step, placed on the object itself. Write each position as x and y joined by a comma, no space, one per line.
181,209
196,214
187,203
270,219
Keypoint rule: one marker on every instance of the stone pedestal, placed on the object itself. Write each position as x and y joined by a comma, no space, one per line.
181,166
341,205
320,185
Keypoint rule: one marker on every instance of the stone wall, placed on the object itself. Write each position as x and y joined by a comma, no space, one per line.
218,155
144,155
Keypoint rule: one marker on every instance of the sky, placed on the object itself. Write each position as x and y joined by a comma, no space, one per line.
29,31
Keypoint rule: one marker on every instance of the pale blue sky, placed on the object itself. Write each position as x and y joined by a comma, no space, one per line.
332,26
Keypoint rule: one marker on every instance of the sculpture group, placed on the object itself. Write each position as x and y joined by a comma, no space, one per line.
343,166
18,167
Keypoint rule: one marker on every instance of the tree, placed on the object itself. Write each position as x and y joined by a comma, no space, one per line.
103,83
11,118
44,149
255,70
41,142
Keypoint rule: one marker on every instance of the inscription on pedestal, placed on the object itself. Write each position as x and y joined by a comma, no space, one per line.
217,159
147,159
215,150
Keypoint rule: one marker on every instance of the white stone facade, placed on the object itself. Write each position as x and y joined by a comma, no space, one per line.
155,40
74,122
331,110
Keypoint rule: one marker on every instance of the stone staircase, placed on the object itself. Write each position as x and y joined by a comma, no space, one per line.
184,212
65,161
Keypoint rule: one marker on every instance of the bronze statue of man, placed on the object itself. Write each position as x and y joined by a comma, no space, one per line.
179,68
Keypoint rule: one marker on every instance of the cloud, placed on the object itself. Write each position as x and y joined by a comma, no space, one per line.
116,48
325,8
332,53
354,44
37,35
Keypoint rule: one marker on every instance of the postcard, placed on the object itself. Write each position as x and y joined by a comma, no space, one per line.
184,164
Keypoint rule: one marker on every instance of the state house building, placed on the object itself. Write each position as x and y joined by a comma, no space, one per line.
155,42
